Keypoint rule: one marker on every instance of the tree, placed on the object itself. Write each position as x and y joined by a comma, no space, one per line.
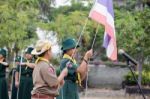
18,24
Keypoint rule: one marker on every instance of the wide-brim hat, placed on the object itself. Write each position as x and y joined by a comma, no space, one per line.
29,50
69,43
41,47
3,52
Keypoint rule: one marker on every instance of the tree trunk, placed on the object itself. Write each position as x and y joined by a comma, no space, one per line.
139,5
140,63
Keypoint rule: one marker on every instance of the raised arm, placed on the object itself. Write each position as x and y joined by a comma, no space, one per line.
83,68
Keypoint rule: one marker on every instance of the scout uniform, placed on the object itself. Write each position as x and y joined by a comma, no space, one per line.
70,88
44,76
14,89
26,83
3,83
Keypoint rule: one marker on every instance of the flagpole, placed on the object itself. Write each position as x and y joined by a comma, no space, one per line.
86,87
82,32
20,74
13,74
95,37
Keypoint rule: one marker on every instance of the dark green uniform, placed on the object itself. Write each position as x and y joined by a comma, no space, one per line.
70,88
14,89
26,83
3,83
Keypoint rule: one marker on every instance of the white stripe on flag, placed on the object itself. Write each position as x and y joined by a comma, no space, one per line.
103,11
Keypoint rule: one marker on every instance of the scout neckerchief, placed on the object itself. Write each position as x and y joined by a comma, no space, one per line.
41,59
74,61
70,58
27,62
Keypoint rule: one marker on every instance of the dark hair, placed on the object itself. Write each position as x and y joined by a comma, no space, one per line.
65,51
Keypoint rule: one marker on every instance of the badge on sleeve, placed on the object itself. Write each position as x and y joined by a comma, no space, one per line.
69,64
51,70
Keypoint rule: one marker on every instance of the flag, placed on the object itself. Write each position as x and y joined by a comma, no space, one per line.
102,12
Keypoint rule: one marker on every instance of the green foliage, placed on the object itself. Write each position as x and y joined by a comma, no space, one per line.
133,27
20,18
70,21
145,78
18,22
129,80
129,23
17,25
66,10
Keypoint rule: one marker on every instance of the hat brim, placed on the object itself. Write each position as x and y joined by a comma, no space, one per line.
34,52
69,47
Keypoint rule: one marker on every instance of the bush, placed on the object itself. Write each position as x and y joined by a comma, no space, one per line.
129,80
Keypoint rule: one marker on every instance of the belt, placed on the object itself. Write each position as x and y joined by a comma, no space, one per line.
26,75
42,96
68,79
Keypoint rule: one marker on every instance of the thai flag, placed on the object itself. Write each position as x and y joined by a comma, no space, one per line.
102,12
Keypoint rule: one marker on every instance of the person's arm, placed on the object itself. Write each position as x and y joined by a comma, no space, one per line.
83,68
31,65
17,76
4,63
62,75
17,79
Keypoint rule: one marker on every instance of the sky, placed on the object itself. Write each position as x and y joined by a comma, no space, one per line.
62,2
45,35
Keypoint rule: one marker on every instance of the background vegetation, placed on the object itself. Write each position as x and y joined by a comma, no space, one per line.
19,20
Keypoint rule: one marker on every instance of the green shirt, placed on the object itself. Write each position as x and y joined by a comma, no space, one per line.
2,70
25,70
72,75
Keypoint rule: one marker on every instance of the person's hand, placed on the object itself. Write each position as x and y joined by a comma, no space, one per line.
88,54
65,71
62,83
17,84
23,64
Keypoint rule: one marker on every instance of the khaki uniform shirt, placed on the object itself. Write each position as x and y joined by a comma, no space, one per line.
44,79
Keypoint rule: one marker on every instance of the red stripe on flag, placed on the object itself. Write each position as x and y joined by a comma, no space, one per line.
114,54
98,17
102,19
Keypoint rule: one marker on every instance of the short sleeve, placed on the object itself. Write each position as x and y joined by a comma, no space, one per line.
49,75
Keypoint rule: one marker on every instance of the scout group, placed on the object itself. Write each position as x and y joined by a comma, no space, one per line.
34,76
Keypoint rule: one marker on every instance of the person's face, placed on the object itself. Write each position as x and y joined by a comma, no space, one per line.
28,56
1,56
49,52
72,51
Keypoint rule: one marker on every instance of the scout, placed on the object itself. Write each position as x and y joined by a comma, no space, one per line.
3,83
45,81
24,82
76,73
12,73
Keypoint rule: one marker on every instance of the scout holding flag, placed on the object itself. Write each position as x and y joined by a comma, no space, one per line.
3,83
76,73
24,83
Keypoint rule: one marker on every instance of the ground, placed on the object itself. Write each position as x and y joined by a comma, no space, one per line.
94,93
108,94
